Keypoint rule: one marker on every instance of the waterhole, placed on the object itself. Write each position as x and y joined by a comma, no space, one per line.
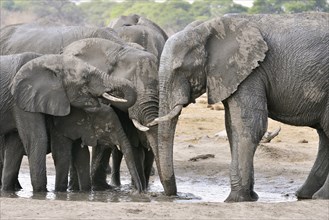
190,190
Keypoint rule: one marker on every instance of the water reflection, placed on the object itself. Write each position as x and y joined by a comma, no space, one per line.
202,190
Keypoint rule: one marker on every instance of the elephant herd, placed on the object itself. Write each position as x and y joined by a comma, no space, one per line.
120,89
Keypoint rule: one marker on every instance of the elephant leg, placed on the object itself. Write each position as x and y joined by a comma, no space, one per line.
148,165
116,163
100,160
14,152
318,180
61,152
32,130
2,155
323,192
81,161
246,123
74,180
108,167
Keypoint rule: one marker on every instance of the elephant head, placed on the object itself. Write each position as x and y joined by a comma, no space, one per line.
50,84
137,29
137,66
135,19
214,56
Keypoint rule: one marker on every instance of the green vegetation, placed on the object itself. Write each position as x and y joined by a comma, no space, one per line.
172,15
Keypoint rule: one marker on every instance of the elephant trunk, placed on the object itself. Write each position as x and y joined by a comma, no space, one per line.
165,163
174,94
126,149
121,88
145,110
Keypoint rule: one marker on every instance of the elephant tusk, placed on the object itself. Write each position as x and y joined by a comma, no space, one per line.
167,117
139,126
112,98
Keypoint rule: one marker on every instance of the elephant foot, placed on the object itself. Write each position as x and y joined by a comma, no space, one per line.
40,189
74,188
115,182
60,188
101,187
18,186
152,171
242,196
303,195
12,187
323,193
306,192
8,189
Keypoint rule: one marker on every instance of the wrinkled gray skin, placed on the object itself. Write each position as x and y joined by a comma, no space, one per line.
50,38
36,37
143,157
49,85
137,66
259,66
134,29
47,39
102,128
67,135
11,146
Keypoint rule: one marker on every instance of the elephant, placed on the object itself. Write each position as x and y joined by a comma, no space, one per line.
14,39
140,68
67,135
259,66
144,157
135,29
34,87
48,39
138,29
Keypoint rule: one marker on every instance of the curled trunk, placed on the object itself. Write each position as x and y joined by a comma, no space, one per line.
121,88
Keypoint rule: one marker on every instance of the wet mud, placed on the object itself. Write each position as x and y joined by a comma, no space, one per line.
200,189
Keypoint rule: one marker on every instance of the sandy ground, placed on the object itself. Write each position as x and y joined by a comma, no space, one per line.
281,166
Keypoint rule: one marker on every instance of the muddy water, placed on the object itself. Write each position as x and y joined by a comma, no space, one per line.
190,190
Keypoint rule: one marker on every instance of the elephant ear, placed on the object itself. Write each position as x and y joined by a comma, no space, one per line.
234,48
37,87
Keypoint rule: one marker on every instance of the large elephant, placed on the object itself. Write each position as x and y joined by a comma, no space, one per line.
135,29
50,39
259,66
34,87
137,66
